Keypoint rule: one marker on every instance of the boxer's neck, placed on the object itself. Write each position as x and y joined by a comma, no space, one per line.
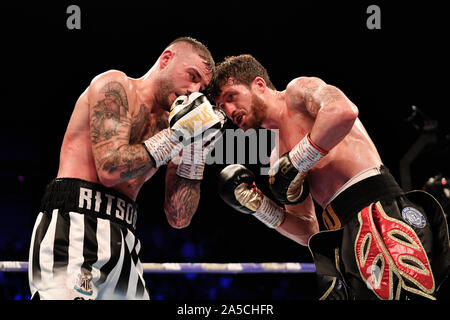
275,109
145,89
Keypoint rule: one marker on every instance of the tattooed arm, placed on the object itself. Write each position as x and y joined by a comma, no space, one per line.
333,113
181,198
110,124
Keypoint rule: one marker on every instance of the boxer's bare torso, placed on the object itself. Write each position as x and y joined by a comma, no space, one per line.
308,106
355,153
88,128
351,156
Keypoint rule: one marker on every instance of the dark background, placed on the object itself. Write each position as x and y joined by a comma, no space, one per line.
46,66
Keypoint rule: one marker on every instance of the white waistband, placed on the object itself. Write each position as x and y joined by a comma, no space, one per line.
360,176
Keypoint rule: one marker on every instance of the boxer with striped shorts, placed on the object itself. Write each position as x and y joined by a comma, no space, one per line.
83,244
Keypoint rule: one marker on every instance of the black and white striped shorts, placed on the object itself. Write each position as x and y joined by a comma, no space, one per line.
83,244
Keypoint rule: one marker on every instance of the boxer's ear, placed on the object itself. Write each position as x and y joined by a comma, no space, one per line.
165,58
259,85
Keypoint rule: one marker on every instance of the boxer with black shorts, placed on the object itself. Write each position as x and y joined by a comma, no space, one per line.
83,244
380,242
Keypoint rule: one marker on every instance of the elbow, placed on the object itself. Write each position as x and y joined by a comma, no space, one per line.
107,172
106,179
176,221
303,242
350,113
178,224
302,239
345,115
311,229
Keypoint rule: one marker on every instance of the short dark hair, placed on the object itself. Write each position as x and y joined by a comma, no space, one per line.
243,69
198,47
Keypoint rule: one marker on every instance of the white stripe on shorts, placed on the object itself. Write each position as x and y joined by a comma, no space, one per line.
31,262
76,242
46,253
104,248
109,286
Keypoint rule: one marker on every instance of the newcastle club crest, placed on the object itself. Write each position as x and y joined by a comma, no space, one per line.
84,284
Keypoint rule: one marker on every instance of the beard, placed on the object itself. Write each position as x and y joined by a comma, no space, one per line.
166,86
257,113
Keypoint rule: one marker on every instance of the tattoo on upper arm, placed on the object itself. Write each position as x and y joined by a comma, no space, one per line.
109,113
317,93
329,94
182,198
110,134
115,91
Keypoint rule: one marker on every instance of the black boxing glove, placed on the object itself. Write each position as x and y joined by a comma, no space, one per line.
287,183
287,175
238,189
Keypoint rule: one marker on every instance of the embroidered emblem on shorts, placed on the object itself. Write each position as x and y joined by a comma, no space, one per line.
83,284
413,217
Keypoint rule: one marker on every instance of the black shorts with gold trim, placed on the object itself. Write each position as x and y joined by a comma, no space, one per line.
382,243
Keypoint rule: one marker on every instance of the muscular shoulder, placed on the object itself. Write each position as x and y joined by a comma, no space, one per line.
302,87
112,81
110,78
301,94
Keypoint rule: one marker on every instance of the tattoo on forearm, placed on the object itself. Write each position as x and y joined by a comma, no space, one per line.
111,134
129,160
182,198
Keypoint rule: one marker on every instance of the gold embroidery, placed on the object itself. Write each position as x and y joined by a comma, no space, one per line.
376,271
327,293
338,266
393,233
398,236
377,239
417,283
330,219
403,260
367,241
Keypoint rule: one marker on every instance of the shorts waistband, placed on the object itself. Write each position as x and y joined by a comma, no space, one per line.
358,196
81,196
360,176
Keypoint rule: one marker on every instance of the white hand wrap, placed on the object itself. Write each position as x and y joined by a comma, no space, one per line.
192,162
163,146
305,154
270,213
193,159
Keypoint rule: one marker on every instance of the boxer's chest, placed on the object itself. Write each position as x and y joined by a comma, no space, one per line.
291,133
